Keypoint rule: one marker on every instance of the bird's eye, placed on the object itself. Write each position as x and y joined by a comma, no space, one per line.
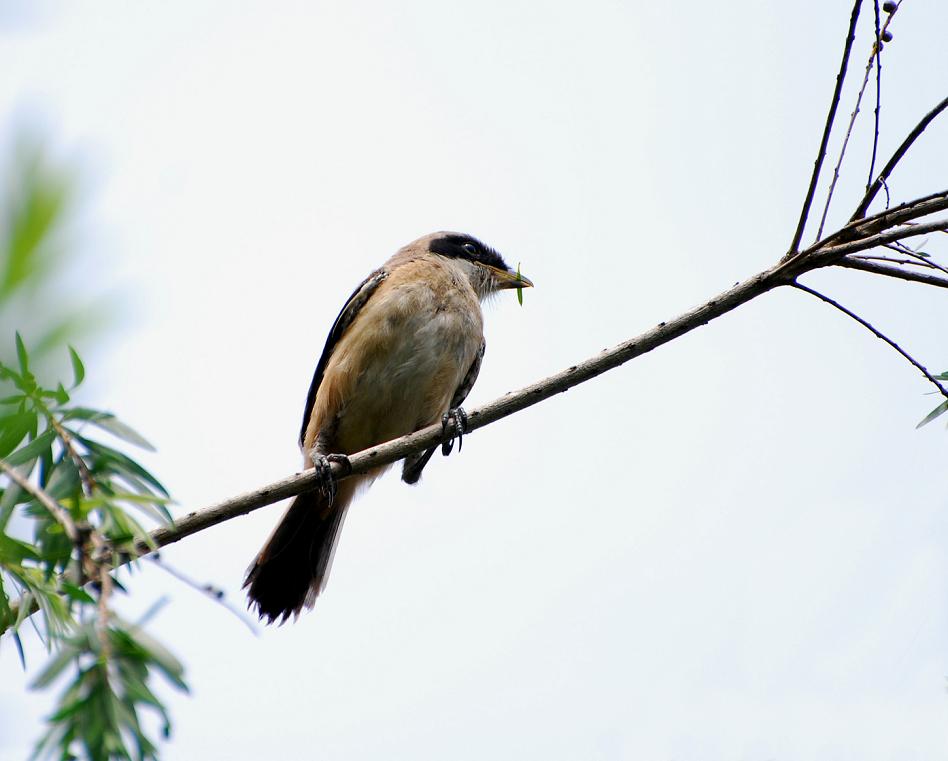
469,248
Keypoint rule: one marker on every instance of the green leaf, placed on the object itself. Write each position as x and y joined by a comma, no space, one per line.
19,648
161,658
119,462
13,429
77,594
152,506
78,369
116,427
64,481
82,413
60,394
519,290
939,410
56,666
14,552
38,447
21,354
13,495
108,422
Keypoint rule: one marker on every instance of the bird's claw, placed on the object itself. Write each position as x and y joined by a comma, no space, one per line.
459,416
323,467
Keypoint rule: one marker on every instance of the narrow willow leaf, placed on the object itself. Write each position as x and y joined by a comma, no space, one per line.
13,495
19,648
77,594
64,481
123,431
22,357
38,447
56,666
120,462
108,422
78,369
61,395
939,410
14,552
13,429
82,413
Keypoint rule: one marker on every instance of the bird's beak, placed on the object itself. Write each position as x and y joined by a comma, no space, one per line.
507,279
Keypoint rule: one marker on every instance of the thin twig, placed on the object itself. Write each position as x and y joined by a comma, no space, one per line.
58,512
896,272
878,57
213,593
890,260
875,56
849,132
917,258
830,118
877,333
897,157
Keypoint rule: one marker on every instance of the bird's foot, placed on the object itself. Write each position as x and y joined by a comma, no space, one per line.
322,463
459,416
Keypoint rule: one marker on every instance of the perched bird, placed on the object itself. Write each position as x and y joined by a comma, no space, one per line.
403,354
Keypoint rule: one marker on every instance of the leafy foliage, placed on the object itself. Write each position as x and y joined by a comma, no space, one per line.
37,201
100,709
84,501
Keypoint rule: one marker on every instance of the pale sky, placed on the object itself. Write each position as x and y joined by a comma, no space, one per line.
733,548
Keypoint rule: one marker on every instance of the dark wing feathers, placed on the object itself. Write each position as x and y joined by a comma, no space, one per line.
468,383
355,302
414,464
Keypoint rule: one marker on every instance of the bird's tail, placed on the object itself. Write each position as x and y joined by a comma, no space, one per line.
292,568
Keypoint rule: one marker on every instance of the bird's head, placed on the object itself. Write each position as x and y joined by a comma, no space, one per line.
485,268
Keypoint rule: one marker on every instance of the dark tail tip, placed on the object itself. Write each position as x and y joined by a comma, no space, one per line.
291,569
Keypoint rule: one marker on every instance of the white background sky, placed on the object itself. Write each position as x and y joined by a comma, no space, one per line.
733,548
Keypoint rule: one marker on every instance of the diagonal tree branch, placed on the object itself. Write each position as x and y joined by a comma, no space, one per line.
512,402
508,404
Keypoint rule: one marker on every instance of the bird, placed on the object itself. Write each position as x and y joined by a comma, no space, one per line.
402,355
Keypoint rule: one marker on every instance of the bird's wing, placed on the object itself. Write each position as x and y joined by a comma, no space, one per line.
355,303
461,392
414,464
